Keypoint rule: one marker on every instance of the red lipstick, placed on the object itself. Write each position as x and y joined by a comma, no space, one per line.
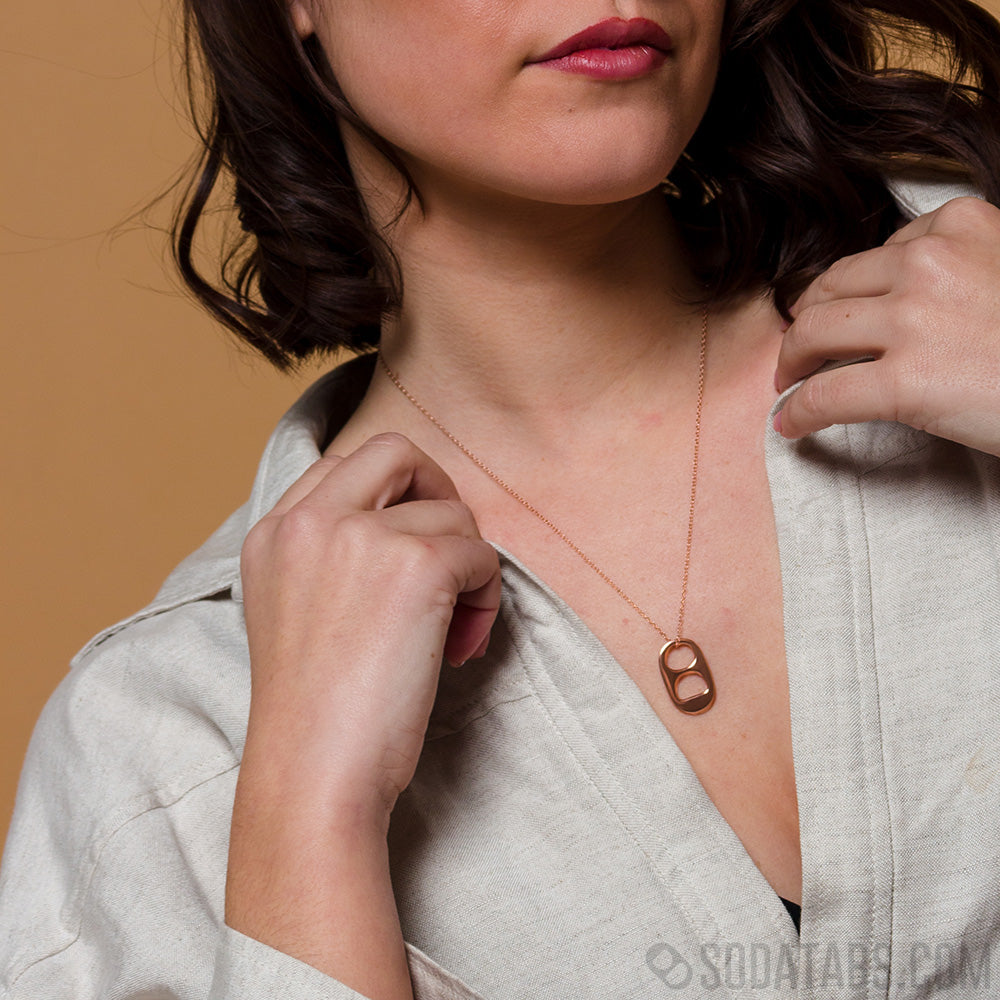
614,49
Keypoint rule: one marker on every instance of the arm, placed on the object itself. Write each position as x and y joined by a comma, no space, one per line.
344,670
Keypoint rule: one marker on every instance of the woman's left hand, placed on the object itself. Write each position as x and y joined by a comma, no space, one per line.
926,307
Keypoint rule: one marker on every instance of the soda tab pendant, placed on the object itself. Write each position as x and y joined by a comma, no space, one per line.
698,667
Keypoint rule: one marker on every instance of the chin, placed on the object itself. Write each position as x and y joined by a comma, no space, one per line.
591,180
609,158
607,190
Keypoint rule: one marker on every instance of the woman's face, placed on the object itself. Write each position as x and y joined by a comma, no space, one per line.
474,92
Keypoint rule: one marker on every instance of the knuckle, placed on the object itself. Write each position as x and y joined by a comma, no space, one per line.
927,256
962,212
326,463
829,280
462,515
813,399
415,560
911,312
358,529
491,557
393,441
296,527
804,327
276,542
257,541
361,543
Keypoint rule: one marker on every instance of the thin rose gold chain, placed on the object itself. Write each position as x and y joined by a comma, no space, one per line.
696,451
702,353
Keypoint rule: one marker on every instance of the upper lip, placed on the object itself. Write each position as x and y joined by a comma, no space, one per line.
614,33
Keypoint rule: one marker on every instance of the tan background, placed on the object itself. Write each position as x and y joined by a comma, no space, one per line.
131,425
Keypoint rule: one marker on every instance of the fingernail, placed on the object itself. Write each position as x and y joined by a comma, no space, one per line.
777,384
785,324
776,423
481,648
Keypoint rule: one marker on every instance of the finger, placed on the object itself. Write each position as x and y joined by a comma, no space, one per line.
861,275
475,610
468,635
431,518
480,650
831,331
306,483
849,395
385,470
468,592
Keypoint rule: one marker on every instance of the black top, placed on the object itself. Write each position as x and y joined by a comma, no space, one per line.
795,911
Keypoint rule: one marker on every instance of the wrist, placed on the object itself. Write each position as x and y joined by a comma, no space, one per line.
338,801
319,775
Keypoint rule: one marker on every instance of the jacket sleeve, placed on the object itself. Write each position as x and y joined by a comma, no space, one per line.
113,878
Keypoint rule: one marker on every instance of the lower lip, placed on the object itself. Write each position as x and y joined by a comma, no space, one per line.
610,64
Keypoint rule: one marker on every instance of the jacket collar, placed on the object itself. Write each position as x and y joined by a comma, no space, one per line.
297,442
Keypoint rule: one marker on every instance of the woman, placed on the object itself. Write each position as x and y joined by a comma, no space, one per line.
476,188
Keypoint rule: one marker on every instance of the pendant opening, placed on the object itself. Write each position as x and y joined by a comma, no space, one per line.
696,669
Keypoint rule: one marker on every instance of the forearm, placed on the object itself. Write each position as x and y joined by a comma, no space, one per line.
315,884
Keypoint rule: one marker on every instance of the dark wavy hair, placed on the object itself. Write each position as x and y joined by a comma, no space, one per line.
816,102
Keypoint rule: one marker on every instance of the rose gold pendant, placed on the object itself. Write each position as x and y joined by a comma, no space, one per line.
698,667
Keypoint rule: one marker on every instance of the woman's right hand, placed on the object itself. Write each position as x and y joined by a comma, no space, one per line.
365,574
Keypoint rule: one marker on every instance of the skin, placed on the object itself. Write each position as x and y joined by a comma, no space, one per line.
543,245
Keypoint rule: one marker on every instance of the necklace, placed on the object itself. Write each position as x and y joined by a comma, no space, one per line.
697,668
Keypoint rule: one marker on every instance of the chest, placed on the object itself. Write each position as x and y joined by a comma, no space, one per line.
634,530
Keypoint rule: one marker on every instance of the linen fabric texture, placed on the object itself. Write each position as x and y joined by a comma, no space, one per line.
554,841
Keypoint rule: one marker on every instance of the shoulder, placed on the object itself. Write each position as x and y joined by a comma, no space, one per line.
120,829
161,691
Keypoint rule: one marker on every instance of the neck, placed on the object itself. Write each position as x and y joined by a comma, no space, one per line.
537,313
566,307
